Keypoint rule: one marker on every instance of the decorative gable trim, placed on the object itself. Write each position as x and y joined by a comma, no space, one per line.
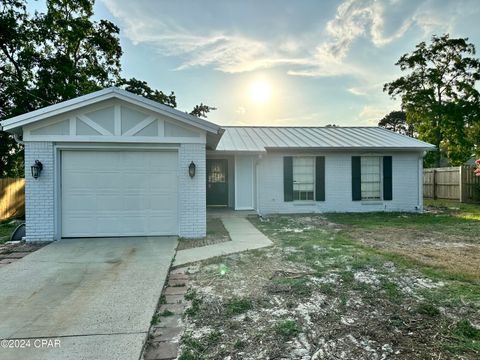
113,121
14,124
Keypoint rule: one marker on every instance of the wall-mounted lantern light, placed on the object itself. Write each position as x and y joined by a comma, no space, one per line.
36,169
191,169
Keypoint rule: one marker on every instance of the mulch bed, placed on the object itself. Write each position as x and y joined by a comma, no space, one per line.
216,234
11,252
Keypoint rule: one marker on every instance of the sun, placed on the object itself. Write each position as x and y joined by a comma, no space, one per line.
260,91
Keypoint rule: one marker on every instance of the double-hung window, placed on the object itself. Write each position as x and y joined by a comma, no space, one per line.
303,178
371,177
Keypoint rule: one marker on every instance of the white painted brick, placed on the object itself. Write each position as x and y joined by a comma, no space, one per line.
338,186
192,191
39,193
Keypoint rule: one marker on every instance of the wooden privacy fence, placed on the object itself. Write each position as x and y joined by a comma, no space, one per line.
454,183
12,198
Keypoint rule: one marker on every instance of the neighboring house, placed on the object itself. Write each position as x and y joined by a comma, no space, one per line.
117,164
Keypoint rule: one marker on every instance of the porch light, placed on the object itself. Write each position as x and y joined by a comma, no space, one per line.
36,169
191,169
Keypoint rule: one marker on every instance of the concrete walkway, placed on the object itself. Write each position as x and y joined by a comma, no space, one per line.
95,296
244,236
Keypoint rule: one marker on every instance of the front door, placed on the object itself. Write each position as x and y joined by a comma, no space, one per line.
217,182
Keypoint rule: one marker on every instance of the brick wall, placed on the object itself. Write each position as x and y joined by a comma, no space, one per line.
338,186
39,206
39,193
192,191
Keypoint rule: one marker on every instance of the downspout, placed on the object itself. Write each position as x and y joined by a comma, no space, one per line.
420,183
257,196
17,139
15,136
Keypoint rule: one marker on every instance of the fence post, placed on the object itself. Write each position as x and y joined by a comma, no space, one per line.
461,184
434,183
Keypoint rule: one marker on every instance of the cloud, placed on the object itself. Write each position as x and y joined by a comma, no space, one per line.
325,52
353,19
364,90
371,114
241,110
224,51
309,118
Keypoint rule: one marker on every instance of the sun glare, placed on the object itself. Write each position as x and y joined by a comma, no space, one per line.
260,92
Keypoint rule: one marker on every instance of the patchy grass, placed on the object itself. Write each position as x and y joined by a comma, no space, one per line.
287,329
194,348
155,319
238,306
427,309
446,236
166,313
324,291
196,301
464,336
6,230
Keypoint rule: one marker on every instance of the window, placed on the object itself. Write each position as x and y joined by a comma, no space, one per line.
370,175
303,178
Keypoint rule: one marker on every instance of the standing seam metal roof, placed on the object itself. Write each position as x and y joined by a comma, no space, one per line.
262,138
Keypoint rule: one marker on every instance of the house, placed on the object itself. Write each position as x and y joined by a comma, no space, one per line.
112,163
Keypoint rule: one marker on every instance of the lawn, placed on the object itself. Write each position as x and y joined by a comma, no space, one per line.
6,229
341,286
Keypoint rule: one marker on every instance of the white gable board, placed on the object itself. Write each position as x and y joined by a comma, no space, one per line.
113,121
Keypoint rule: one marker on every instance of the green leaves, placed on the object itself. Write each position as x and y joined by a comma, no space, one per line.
396,121
439,96
46,58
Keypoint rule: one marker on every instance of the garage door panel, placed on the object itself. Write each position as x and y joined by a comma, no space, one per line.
119,193
160,201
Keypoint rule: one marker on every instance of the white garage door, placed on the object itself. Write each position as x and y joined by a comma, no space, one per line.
119,193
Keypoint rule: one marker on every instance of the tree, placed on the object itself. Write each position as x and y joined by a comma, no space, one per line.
46,58
140,87
439,96
202,110
396,121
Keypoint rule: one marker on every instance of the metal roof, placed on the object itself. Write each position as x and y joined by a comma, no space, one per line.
264,138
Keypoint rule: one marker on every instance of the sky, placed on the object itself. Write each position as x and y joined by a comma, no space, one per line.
281,62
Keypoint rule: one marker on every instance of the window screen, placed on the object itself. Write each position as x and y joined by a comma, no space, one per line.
371,180
303,178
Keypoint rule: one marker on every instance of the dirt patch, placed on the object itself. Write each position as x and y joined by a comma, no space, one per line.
216,233
456,253
317,295
8,248
11,252
333,317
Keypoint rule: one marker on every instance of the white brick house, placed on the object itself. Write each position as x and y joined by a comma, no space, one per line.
117,164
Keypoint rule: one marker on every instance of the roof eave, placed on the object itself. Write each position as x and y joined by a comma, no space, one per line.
351,148
69,105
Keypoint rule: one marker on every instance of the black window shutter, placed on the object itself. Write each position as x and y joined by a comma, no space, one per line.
320,178
356,179
387,178
287,178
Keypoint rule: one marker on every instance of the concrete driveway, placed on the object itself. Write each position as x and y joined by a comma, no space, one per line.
96,296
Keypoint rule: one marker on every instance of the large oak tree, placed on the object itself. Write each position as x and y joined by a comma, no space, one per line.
46,58
439,96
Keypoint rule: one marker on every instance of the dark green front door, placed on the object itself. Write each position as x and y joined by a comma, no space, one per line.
217,182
